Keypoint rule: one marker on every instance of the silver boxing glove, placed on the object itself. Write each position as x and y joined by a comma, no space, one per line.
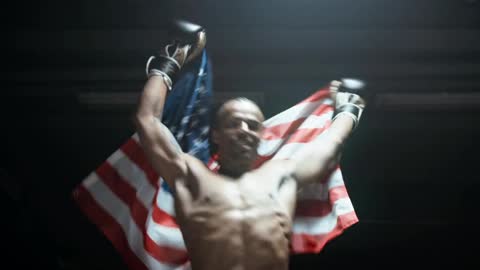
349,96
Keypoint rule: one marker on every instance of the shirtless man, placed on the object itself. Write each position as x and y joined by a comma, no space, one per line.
238,219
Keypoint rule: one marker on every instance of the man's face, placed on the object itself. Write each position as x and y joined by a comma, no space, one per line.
238,132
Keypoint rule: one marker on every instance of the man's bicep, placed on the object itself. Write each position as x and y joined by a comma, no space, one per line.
162,149
313,163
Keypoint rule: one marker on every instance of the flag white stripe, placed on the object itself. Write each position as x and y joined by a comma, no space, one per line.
296,112
165,236
319,191
288,151
117,209
268,147
165,201
336,179
134,176
317,121
324,224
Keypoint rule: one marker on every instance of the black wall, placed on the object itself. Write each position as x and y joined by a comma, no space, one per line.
410,168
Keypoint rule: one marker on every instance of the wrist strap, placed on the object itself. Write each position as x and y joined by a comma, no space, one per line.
164,66
351,110
166,78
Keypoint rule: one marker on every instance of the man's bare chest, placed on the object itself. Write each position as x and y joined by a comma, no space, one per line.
253,196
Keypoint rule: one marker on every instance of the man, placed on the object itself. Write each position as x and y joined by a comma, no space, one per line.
241,217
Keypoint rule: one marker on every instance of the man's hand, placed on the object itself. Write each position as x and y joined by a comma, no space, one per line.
349,96
186,42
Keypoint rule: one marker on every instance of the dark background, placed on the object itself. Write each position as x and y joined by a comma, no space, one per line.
72,71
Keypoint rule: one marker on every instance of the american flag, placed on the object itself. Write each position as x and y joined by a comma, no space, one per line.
133,206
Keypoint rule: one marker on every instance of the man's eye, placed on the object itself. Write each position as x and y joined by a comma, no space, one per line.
254,126
233,123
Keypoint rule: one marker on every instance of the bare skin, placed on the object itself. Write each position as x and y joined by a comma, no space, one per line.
239,219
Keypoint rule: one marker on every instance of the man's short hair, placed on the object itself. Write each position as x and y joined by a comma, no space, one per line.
219,109
215,120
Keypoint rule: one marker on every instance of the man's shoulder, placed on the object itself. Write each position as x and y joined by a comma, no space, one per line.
280,171
283,165
191,159
194,162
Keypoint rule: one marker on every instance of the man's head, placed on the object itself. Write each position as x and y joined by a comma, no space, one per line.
236,132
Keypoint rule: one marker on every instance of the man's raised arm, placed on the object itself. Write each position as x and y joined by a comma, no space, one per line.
322,157
188,40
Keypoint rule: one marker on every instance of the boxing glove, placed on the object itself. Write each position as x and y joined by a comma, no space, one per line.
186,41
349,96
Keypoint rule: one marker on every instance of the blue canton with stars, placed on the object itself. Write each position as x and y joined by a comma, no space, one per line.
187,108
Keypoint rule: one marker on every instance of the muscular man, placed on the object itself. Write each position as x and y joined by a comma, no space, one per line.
239,218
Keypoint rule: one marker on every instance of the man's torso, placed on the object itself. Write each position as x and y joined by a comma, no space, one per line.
241,224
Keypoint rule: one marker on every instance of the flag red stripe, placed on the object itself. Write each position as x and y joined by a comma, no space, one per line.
124,192
138,212
313,208
166,254
336,193
136,154
319,208
163,218
300,136
279,131
109,226
310,243
260,160
318,95
282,130
347,219
305,135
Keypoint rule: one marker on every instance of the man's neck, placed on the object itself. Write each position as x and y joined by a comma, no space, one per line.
230,173
233,173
